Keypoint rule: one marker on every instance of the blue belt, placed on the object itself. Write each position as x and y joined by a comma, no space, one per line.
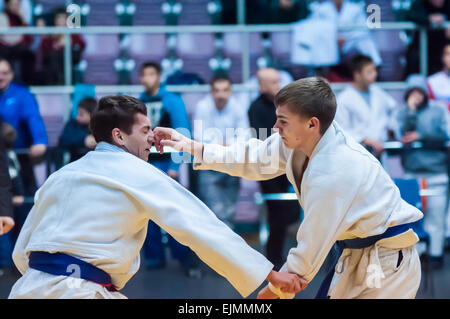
357,243
60,264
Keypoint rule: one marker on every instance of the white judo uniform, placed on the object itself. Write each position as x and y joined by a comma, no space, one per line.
361,120
345,193
97,209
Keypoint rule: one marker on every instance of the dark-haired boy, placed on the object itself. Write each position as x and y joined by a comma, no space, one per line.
89,220
346,196
364,109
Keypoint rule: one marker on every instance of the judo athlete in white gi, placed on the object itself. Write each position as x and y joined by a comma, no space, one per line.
346,195
83,235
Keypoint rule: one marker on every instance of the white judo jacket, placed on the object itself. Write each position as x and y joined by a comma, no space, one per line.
363,121
97,209
345,192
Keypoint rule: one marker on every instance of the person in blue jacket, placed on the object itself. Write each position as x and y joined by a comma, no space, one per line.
19,108
164,109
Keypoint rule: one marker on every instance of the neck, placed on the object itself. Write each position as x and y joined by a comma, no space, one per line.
153,91
361,86
310,145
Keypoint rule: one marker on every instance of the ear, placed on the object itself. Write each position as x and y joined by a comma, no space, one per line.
314,123
117,137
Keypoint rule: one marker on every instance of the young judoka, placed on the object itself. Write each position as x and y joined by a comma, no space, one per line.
83,235
346,195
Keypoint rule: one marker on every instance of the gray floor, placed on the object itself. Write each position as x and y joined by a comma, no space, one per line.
172,283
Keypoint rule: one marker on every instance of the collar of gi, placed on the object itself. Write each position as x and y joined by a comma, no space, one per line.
107,147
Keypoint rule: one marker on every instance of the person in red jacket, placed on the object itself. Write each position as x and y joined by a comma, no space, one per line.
16,47
51,50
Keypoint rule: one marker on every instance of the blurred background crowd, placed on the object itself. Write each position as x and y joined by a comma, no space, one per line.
392,85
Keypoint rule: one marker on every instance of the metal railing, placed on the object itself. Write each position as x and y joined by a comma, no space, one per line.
240,28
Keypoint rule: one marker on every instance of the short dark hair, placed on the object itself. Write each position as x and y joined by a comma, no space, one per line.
3,59
309,97
358,62
89,104
219,77
151,64
59,10
115,112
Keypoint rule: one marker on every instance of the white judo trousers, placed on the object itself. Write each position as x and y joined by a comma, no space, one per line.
97,209
345,193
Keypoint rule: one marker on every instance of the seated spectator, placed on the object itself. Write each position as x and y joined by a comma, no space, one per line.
6,209
26,7
352,42
321,29
422,121
221,119
439,83
364,109
429,14
51,50
16,47
19,108
76,136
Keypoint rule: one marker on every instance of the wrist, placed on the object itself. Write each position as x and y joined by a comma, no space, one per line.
270,276
197,149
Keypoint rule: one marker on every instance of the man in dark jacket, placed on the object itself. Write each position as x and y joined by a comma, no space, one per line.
279,213
6,209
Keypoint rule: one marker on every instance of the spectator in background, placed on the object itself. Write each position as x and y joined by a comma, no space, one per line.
76,136
422,121
279,213
51,50
16,48
439,83
26,8
363,109
6,209
164,109
429,14
19,108
220,118
341,45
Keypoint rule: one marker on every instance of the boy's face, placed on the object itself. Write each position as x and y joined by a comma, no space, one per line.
367,75
221,92
150,78
60,20
6,75
141,138
84,117
446,57
415,98
293,128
